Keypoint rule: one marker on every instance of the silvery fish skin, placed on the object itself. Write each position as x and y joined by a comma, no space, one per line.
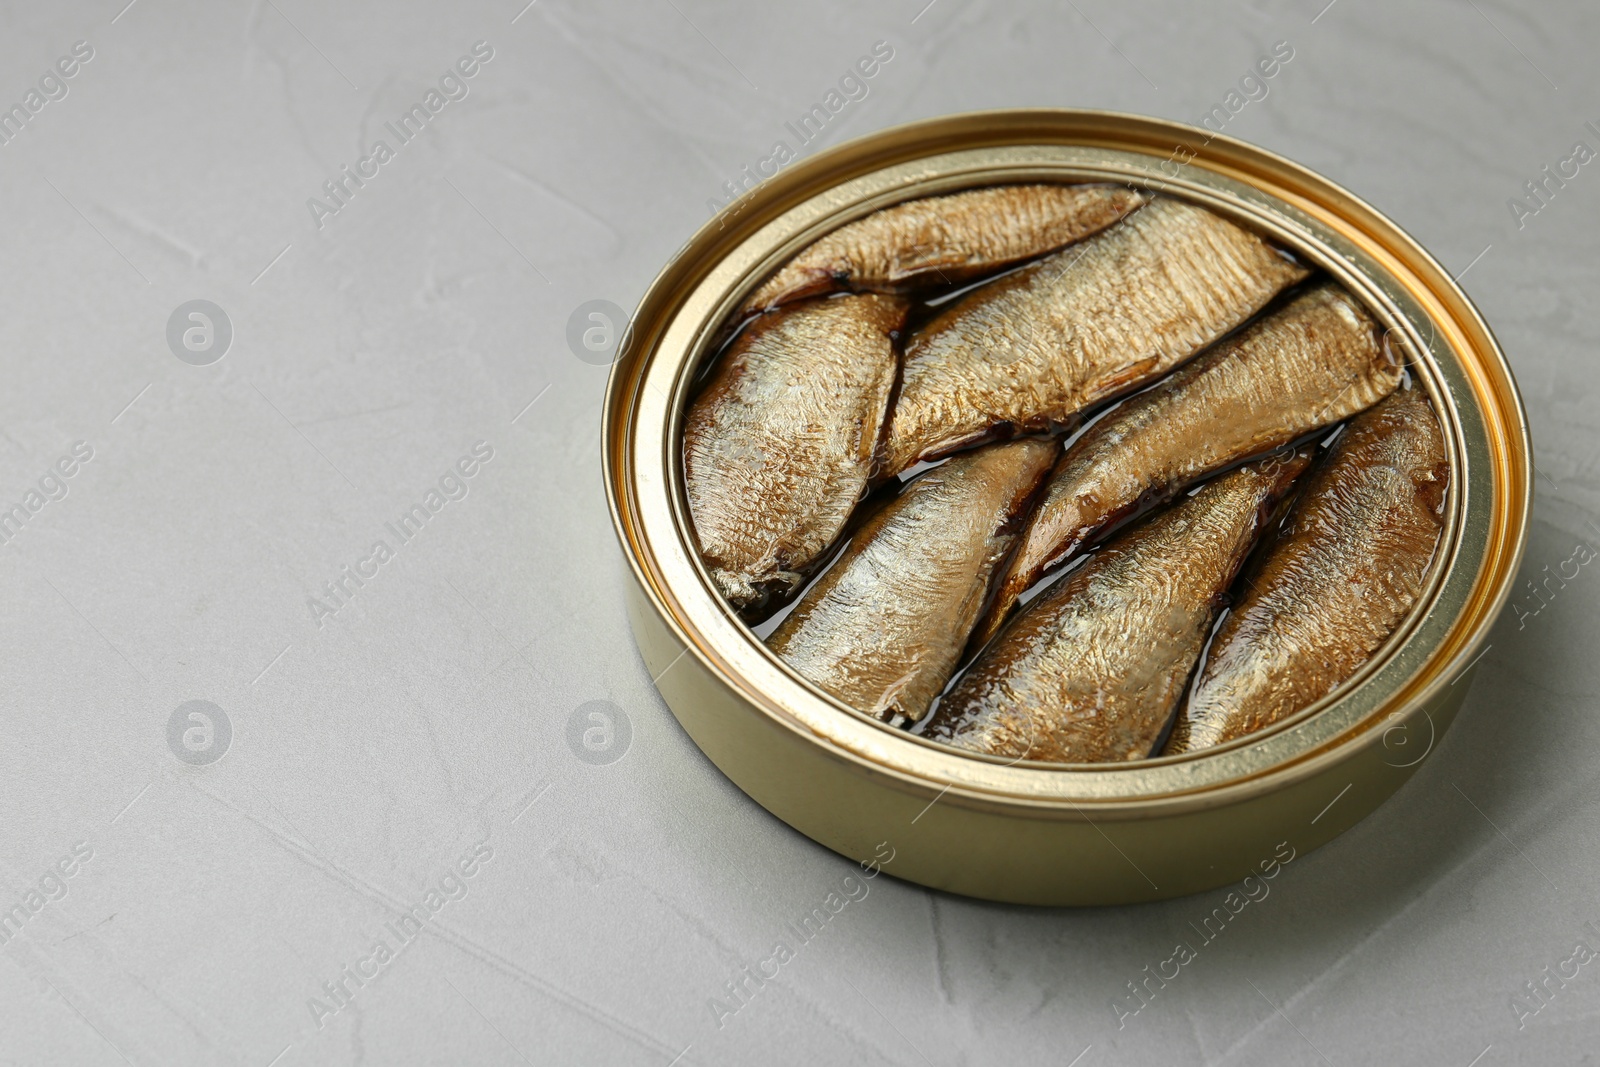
946,239
778,446
1092,670
1314,362
1029,351
1335,579
883,629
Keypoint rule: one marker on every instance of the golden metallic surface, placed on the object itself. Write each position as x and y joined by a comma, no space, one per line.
778,447
1314,361
1062,834
1029,351
1345,567
883,629
1094,667
948,239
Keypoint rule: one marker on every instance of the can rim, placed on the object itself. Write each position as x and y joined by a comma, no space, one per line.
1501,463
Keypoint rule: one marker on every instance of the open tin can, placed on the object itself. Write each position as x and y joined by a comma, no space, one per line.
1031,832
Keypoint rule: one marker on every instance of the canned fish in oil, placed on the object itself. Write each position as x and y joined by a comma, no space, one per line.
1023,831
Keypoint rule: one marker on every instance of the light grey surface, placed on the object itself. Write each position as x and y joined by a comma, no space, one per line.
369,752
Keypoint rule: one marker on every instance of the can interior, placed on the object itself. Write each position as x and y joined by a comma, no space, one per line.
1420,360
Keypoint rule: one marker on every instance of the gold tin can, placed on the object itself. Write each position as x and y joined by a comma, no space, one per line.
1026,832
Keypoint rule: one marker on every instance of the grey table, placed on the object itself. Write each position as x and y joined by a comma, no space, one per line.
402,856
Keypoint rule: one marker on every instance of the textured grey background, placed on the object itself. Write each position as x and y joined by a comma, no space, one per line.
431,714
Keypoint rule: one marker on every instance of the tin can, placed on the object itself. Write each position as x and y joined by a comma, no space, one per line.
1027,832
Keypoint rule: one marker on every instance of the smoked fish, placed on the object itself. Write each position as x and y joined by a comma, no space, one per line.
946,239
1334,581
1093,669
882,630
779,444
1314,362
1028,351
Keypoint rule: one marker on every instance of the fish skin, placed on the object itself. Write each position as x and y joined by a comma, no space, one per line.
1030,350
1093,669
1314,362
946,239
883,629
779,444
1334,580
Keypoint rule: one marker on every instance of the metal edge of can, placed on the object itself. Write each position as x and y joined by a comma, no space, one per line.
958,831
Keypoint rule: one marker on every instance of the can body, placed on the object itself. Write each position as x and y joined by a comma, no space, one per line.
1031,833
